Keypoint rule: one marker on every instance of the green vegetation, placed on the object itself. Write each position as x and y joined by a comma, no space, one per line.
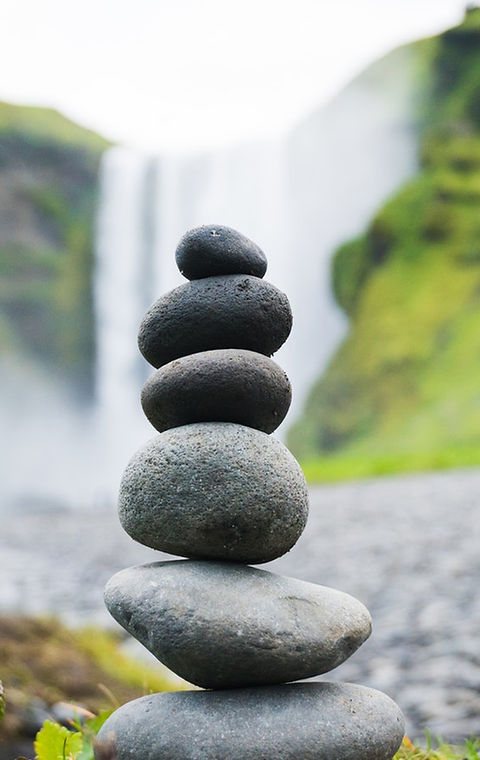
470,750
55,742
355,465
41,659
46,124
403,390
48,193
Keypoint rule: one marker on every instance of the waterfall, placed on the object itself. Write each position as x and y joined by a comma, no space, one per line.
298,197
122,292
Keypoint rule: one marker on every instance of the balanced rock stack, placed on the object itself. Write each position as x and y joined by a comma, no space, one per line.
216,488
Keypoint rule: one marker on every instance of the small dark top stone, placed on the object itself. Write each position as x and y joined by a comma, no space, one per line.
213,250
232,311
226,385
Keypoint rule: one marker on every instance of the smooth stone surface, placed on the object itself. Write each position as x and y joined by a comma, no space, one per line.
227,385
222,625
232,311
311,721
214,249
215,490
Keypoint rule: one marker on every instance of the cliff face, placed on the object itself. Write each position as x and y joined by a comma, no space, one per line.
48,191
406,379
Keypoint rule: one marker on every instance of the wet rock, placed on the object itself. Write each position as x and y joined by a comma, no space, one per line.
314,721
214,250
221,625
214,490
234,311
227,385
32,716
69,714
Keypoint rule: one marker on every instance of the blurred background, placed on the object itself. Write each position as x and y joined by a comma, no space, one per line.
343,138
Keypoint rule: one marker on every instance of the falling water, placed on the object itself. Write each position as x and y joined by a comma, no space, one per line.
122,293
298,197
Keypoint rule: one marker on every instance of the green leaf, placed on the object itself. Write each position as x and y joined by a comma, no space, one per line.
87,752
55,742
2,701
93,725
89,731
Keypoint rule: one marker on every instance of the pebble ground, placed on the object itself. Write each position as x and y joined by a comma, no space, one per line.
407,547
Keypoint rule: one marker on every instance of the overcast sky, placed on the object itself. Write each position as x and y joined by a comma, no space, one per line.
183,74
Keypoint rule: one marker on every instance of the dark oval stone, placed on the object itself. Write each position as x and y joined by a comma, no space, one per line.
234,311
213,249
301,721
215,490
271,629
226,385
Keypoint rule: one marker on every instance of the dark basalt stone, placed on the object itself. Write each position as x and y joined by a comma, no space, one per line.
213,249
215,490
226,385
221,625
305,721
232,311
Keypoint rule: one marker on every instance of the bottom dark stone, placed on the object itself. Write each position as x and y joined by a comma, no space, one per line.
311,721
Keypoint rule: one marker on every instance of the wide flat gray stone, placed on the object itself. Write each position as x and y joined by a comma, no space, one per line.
222,625
214,249
215,490
312,721
226,385
231,311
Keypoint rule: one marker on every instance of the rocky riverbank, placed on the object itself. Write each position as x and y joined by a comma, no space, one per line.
406,547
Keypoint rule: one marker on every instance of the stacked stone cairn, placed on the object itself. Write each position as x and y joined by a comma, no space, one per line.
216,488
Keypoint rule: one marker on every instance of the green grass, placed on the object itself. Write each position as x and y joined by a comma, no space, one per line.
49,124
470,750
354,467
41,658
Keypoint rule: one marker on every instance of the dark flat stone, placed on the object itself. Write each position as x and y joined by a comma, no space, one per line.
222,625
306,721
232,311
227,385
213,249
215,490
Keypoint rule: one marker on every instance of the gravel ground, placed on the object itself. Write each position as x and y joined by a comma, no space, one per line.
408,547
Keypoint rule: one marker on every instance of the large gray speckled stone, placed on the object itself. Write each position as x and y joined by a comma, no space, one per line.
227,385
233,311
215,490
311,721
222,625
214,249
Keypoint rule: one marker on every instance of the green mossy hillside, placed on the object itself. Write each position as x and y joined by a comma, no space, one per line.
38,124
405,384
48,195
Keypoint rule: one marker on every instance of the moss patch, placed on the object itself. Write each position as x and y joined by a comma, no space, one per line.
470,750
43,659
48,198
46,123
403,390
